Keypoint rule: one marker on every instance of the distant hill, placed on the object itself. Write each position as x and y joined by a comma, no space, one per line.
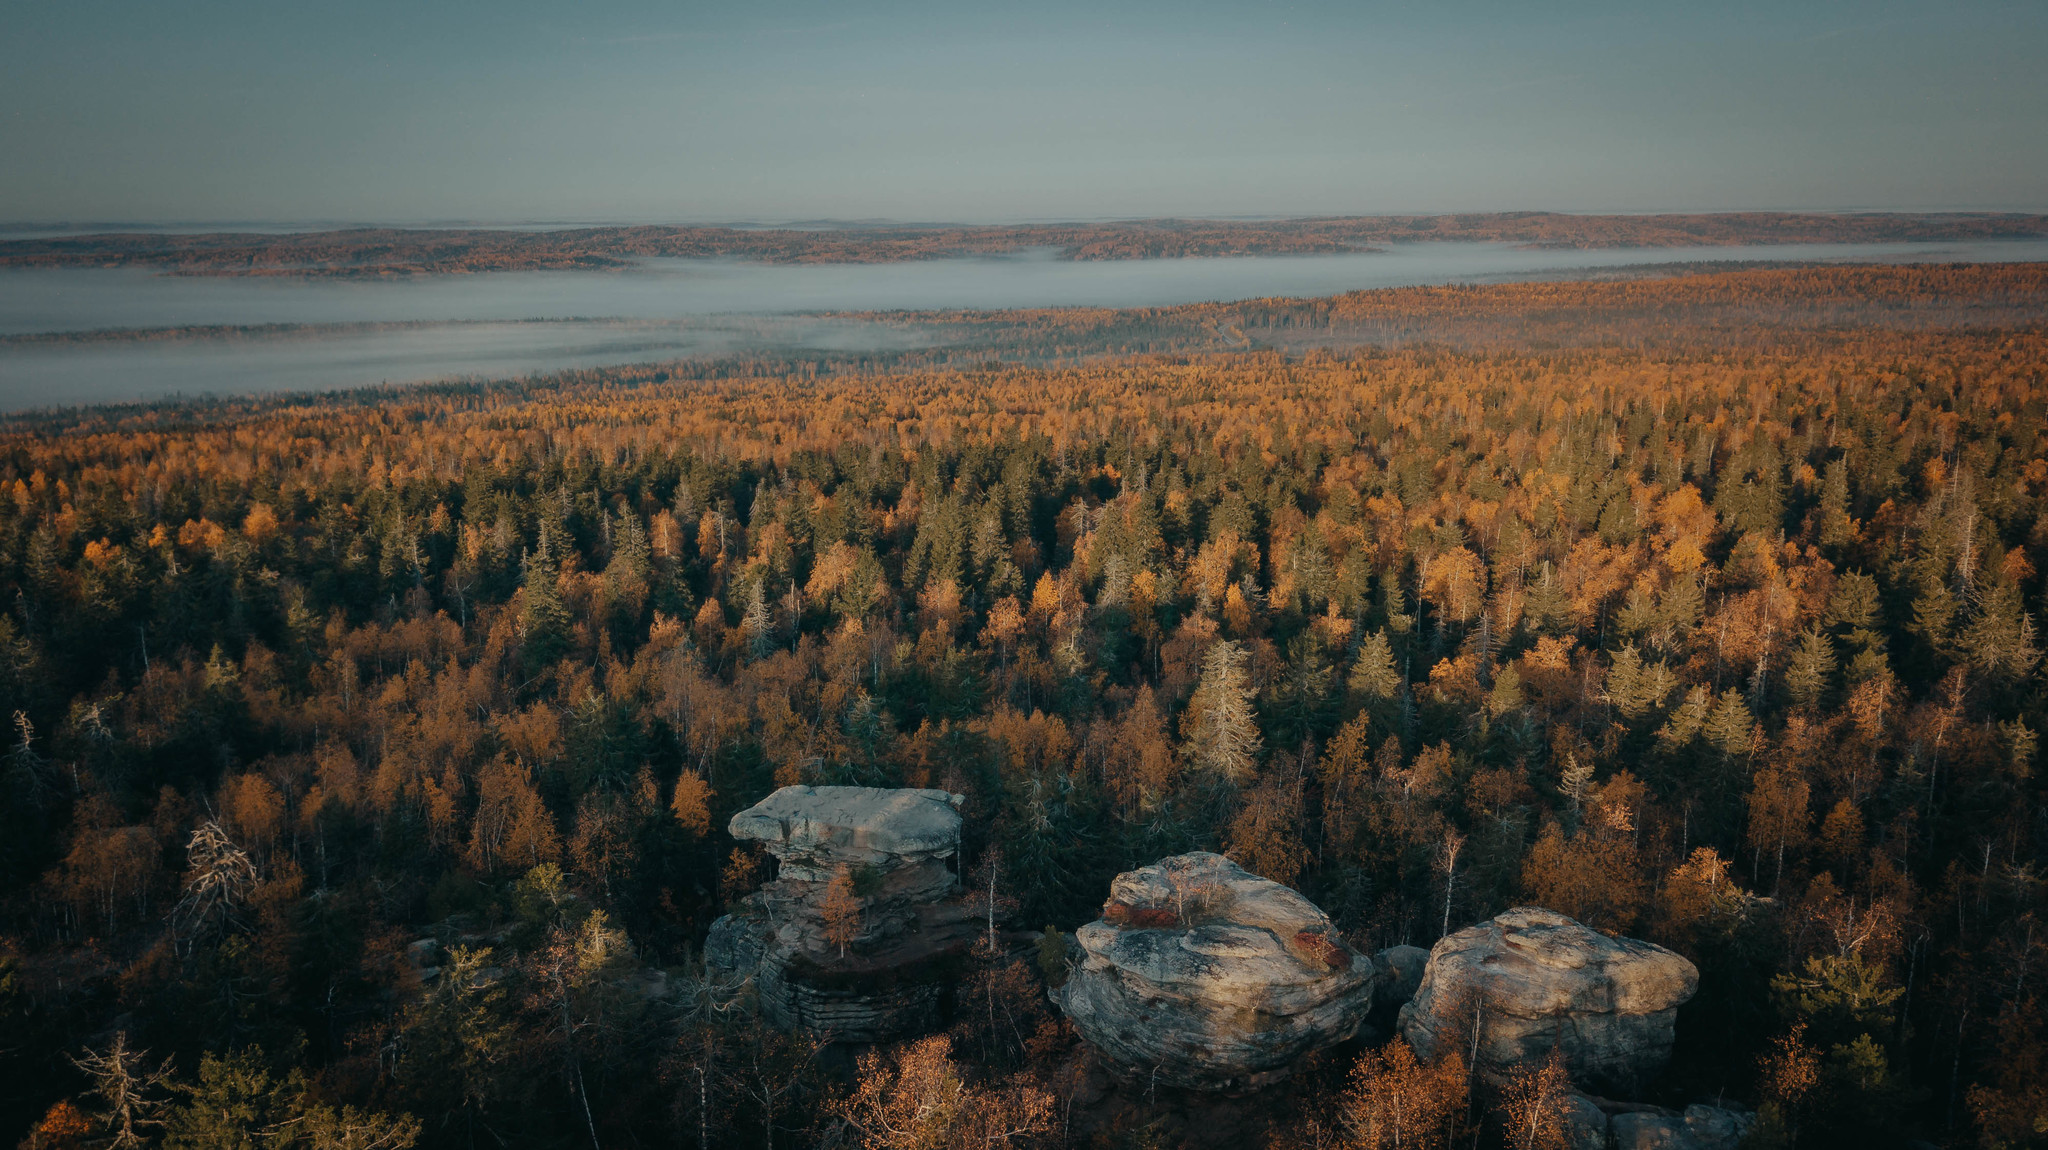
404,251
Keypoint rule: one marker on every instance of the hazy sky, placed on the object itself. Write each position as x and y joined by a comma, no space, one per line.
215,110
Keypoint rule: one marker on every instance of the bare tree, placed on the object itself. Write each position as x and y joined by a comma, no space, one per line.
219,885
126,1084
1453,843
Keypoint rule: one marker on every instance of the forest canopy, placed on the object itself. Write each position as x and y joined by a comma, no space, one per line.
370,755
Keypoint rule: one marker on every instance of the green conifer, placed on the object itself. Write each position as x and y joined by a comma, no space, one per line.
1730,726
1373,676
1811,670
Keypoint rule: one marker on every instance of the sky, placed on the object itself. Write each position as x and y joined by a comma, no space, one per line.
416,112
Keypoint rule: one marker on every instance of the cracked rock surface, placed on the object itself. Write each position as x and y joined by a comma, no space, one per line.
887,984
1532,979
1200,974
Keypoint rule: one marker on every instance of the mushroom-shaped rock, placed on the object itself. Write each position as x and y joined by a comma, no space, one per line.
815,830
884,983
1531,979
1201,975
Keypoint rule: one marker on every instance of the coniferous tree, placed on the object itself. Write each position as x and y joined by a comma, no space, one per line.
1374,678
1219,733
1812,669
1835,525
544,620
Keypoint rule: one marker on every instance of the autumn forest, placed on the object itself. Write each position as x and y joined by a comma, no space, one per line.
369,758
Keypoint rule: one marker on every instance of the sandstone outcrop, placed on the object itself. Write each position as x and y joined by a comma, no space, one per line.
1585,1124
1535,979
1199,974
896,848
1699,1128
1397,972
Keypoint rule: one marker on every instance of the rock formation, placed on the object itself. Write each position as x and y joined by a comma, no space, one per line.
1397,974
1533,979
1201,975
1585,1124
894,848
1699,1128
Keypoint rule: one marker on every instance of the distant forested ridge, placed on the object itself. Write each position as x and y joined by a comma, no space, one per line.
408,251
369,755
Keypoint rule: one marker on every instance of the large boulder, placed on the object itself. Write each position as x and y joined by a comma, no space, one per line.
1700,1128
1199,974
1532,980
897,846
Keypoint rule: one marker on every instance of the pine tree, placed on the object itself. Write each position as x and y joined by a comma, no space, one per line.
1680,605
1836,529
1811,670
1685,721
1934,612
1373,676
628,576
1220,732
1506,695
1550,604
543,618
1265,837
2001,640
1633,688
1394,604
1853,611
1730,726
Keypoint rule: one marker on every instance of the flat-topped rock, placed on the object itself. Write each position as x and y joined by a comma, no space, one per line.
1537,979
1202,975
886,982
813,831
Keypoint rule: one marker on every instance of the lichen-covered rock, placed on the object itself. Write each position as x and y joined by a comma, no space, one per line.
886,984
1535,979
1201,975
1700,1128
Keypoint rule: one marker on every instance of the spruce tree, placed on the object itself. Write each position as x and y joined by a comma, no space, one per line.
543,618
2001,640
1853,611
1373,676
1681,604
1633,687
1835,526
1811,670
1730,725
1686,721
1221,732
